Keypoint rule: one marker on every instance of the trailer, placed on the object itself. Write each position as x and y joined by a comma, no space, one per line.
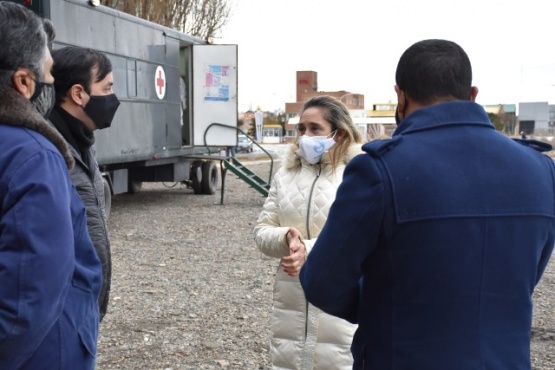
172,87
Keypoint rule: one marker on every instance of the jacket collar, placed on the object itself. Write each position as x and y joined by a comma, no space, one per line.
444,114
17,111
74,131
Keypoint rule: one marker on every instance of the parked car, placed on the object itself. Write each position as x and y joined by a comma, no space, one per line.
244,144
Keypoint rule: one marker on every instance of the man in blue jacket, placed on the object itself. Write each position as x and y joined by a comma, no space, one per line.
439,235
50,275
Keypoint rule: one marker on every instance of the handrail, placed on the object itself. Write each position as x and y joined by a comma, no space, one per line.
247,135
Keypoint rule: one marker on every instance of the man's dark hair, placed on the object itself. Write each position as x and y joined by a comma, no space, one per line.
23,41
434,69
74,65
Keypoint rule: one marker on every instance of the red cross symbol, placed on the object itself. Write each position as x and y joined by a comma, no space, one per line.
160,82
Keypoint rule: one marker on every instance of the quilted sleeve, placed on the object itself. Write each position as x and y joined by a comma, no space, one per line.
269,235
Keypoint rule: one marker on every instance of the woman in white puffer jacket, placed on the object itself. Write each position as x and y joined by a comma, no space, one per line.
305,338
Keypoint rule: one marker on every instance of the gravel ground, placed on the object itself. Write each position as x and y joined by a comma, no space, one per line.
190,290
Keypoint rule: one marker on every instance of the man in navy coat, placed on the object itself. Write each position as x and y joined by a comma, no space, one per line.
439,235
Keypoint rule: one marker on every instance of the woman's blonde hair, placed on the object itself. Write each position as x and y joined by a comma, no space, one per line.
338,115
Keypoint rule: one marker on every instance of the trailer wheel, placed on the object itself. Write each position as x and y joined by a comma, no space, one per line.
134,187
107,198
209,181
196,176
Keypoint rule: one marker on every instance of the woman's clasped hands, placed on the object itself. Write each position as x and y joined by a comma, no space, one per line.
293,263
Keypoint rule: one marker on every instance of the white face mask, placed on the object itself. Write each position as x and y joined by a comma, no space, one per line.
312,148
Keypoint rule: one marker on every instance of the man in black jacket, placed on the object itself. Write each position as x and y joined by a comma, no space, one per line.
86,102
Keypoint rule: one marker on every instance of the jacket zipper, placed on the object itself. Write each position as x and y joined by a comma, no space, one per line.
310,201
308,233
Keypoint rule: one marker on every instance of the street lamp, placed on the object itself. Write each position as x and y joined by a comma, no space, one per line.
258,121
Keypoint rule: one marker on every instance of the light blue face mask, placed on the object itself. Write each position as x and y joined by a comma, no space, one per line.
312,148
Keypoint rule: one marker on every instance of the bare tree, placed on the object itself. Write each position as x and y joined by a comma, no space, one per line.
201,18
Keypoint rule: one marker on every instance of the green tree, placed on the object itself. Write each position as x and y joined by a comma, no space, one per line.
251,129
497,122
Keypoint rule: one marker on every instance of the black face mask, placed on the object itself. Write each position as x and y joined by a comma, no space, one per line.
397,119
44,98
102,109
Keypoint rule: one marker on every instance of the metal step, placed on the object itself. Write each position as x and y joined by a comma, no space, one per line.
248,176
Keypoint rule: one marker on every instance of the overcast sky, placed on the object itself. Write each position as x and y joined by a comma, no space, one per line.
354,45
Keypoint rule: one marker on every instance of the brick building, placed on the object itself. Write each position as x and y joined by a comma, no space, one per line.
306,88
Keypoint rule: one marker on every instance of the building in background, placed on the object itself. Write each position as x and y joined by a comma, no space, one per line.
379,121
536,120
306,88
533,119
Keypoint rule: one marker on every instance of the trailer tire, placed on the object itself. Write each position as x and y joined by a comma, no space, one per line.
134,187
209,181
107,198
196,176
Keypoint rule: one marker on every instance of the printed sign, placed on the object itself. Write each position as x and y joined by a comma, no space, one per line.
216,83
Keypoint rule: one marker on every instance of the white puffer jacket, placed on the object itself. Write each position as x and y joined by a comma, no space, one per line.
304,338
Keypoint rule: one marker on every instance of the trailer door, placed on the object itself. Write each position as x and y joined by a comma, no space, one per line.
214,94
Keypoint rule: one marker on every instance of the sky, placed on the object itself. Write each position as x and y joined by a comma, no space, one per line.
354,45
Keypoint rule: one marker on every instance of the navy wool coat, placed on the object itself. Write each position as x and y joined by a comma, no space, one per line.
435,243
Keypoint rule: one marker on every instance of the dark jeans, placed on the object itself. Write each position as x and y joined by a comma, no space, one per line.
230,151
